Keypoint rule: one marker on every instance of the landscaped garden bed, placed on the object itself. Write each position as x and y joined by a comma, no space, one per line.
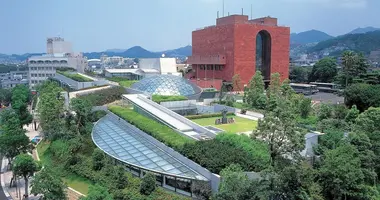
157,130
104,96
75,76
163,98
122,81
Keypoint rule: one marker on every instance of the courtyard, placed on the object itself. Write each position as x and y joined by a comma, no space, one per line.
240,124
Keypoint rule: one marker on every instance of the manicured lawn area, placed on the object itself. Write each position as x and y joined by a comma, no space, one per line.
77,183
122,81
240,125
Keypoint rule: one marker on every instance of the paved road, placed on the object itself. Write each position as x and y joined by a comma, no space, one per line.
2,194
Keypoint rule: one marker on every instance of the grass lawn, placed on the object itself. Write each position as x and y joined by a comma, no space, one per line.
240,125
76,182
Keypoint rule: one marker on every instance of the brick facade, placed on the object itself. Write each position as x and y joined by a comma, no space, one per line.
234,39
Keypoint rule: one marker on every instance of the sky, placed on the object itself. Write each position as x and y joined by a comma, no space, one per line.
98,25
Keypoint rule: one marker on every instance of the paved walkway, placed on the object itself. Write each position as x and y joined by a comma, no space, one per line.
6,176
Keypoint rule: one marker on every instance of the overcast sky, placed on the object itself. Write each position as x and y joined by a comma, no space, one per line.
97,25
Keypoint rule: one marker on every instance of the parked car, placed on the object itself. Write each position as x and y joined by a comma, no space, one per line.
36,139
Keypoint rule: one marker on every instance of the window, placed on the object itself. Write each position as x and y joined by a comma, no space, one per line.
208,67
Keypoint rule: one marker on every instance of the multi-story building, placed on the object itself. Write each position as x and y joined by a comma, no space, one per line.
58,45
60,55
13,78
237,45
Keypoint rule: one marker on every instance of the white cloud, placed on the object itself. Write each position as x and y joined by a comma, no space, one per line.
335,3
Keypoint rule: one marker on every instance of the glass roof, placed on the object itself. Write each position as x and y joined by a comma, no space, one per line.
125,143
166,85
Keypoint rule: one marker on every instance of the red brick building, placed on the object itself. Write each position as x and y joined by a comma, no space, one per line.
237,45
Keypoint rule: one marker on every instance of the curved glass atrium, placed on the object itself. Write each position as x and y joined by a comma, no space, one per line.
166,85
127,144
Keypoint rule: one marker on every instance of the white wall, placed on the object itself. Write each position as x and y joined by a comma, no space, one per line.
168,65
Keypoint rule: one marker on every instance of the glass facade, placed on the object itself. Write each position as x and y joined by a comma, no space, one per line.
124,142
166,85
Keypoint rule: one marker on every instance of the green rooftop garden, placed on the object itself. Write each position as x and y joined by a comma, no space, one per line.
122,81
163,98
75,76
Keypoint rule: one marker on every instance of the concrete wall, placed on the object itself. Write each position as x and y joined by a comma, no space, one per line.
78,85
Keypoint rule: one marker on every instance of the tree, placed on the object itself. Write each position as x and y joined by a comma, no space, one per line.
20,99
49,184
5,97
352,114
97,192
25,166
275,85
362,95
299,74
50,109
119,178
305,107
13,140
325,112
353,65
368,122
324,70
255,92
148,184
367,157
98,159
281,134
82,109
236,82
340,173
234,184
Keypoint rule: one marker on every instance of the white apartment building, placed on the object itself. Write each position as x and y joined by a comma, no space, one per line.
160,65
60,55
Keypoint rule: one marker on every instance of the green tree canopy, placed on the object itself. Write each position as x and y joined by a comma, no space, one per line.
299,74
49,184
324,70
97,192
25,166
148,184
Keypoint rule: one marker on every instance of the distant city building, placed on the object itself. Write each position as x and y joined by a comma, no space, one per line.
57,45
160,65
59,55
146,67
374,57
237,45
13,78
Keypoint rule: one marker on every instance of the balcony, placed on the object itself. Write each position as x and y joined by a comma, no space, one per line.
207,60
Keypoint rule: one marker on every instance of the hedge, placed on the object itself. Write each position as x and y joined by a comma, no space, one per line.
207,115
163,98
75,76
257,150
104,96
215,156
159,131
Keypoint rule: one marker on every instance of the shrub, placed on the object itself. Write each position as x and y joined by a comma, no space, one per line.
163,98
153,128
97,159
201,189
104,96
216,156
257,150
97,192
207,115
148,184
